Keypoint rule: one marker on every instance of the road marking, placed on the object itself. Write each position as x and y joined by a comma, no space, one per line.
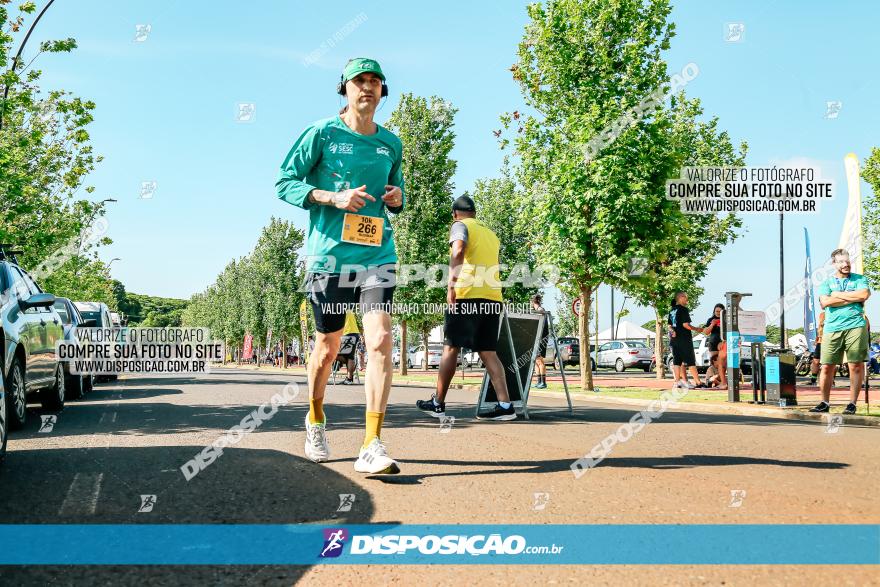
104,417
82,496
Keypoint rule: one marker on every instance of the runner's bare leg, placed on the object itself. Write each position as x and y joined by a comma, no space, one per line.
377,381
321,362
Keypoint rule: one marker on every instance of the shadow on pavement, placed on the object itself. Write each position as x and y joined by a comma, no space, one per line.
506,467
241,487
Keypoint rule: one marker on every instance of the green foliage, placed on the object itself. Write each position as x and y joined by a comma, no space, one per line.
425,127
45,156
871,220
503,207
257,293
582,66
81,280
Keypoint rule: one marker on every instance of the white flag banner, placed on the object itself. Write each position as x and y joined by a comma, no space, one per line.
851,235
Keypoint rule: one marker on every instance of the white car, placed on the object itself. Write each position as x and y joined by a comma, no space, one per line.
622,354
432,359
435,351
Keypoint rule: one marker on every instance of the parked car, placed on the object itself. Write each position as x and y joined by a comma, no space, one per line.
4,423
701,354
395,358
30,330
76,385
624,354
100,313
115,320
435,351
569,349
469,358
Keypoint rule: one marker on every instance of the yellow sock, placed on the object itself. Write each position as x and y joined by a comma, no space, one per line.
316,410
374,427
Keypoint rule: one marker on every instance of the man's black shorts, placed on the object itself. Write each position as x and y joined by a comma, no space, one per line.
473,324
683,352
713,344
331,294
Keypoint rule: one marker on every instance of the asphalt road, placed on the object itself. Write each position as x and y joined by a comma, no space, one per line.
130,438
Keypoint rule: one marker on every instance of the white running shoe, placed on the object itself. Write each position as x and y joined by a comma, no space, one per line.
375,460
317,449
678,384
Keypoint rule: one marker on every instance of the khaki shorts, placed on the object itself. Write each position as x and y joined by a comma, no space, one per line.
852,342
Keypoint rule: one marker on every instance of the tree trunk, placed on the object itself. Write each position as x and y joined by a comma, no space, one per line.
225,346
283,353
425,342
658,346
404,348
584,336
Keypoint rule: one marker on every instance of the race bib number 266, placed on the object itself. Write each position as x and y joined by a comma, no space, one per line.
362,230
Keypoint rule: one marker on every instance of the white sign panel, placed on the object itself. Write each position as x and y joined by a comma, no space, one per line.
752,325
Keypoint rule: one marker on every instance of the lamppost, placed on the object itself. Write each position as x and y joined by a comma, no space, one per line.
111,262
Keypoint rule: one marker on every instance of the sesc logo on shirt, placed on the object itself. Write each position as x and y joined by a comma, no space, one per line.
383,151
342,148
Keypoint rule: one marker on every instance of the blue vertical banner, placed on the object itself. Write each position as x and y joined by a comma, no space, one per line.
809,298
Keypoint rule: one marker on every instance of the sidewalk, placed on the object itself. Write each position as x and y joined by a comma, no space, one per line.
640,392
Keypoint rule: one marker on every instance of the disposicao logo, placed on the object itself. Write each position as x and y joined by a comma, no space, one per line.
334,541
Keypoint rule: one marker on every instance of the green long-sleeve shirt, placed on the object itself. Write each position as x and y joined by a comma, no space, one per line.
330,156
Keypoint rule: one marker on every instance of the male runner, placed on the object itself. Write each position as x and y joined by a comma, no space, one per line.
681,342
346,171
843,297
474,294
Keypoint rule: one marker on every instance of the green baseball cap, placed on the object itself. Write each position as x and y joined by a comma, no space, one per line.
360,65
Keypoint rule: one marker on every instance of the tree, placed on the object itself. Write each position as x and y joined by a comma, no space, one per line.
44,155
583,65
502,206
279,274
425,129
871,221
679,260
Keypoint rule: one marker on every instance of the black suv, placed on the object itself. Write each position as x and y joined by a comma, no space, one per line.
29,330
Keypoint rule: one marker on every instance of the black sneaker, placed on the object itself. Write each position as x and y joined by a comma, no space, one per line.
347,382
850,409
821,408
432,408
499,413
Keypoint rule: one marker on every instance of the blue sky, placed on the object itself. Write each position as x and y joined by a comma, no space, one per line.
166,112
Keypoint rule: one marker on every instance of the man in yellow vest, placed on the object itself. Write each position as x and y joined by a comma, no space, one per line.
474,299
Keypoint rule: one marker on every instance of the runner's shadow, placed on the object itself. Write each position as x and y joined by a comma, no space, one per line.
562,465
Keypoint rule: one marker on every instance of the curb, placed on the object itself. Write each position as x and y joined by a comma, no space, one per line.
704,408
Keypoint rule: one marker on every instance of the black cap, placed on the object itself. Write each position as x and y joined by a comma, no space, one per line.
464,204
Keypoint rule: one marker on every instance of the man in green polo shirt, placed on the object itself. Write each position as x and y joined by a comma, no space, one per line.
346,171
843,297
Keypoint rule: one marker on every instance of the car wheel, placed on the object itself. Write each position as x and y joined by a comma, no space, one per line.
16,400
647,368
75,386
619,366
52,398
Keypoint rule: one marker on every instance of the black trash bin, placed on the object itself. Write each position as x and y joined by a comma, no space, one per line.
781,380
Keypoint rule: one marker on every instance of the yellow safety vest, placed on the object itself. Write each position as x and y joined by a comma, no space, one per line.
479,277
